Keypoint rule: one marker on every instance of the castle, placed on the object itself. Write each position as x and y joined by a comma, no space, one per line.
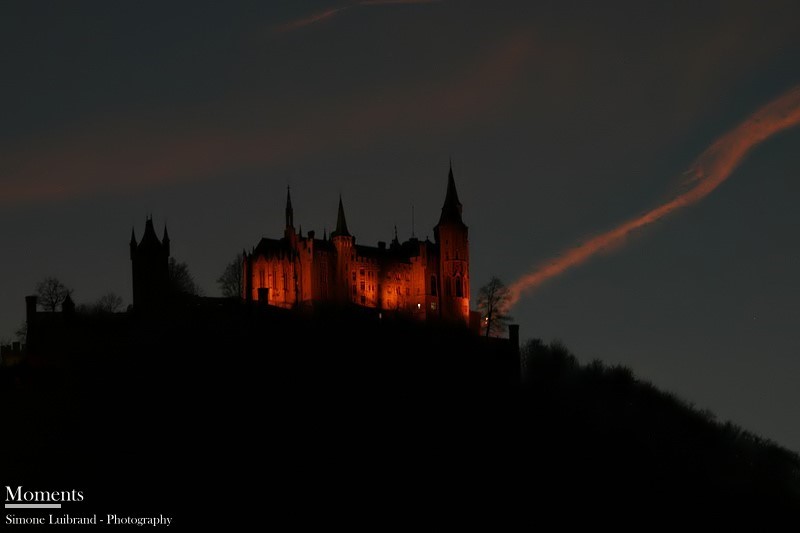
423,279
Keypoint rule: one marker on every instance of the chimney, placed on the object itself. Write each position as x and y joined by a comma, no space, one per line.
30,318
30,309
513,336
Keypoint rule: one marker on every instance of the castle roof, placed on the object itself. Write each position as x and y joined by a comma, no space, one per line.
150,241
341,222
271,247
324,245
451,210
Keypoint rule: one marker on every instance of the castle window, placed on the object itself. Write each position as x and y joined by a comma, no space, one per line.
261,278
459,290
433,306
362,273
285,285
408,291
363,286
354,289
433,285
363,300
354,275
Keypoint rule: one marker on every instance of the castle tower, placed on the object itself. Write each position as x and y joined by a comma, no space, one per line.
150,266
289,230
344,243
452,238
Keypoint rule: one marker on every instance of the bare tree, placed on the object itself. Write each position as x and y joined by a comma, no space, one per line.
230,281
493,303
22,332
51,293
110,302
180,279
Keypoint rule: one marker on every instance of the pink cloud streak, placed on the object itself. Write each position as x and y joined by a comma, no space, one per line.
709,171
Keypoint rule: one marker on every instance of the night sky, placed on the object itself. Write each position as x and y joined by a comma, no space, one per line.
563,120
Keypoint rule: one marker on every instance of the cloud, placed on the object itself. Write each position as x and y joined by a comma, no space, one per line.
709,171
309,20
128,154
332,12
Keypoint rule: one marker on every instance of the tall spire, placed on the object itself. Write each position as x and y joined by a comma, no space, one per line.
451,210
289,210
133,237
165,240
341,222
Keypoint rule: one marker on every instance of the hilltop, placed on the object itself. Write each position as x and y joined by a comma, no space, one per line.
338,418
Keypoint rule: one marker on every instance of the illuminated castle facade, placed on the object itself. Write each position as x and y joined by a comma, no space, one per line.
423,279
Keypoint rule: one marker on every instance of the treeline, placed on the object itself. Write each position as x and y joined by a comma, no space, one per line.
624,438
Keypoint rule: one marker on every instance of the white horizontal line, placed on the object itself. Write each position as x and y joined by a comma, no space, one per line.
33,506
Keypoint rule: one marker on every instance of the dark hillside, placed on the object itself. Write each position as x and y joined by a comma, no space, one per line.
344,419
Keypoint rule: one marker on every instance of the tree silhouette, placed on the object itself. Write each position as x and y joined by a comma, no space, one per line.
230,281
22,332
493,303
180,279
51,293
110,302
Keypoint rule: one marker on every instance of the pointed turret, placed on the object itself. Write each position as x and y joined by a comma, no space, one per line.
452,240
341,222
149,264
165,240
289,210
149,239
133,242
451,210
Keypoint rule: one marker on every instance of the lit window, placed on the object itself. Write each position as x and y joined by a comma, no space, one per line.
433,306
